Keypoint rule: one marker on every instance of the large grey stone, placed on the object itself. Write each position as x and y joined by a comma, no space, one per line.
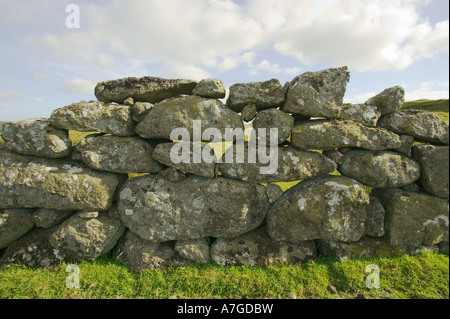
140,110
329,135
27,181
197,207
414,218
255,248
367,247
47,218
388,101
87,236
36,137
95,116
424,126
211,88
117,154
362,113
145,89
380,169
180,112
434,164
407,143
248,113
318,94
284,164
14,223
331,207
375,217
197,250
139,254
273,118
190,156
274,192
267,94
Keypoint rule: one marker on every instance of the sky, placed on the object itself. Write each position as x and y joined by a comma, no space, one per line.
53,52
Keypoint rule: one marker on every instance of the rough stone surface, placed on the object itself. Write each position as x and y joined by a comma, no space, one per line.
87,237
27,181
172,175
367,247
248,113
414,218
424,126
255,248
318,94
375,217
335,156
36,137
330,135
197,250
331,207
145,89
267,94
139,254
95,116
158,210
47,218
129,101
274,192
380,169
362,113
190,156
34,250
274,118
443,247
14,223
388,101
407,143
140,110
117,154
211,88
434,164
180,113
288,165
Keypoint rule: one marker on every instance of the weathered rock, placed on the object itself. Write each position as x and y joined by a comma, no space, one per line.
443,247
414,218
211,88
274,192
388,101
140,110
375,217
139,254
407,143
329,135
273,118
367,247
146,89
331,207
255,248
27,181
129,101
413,187
36,137
282,164
87,237
265,95
362,113
158,210
172,175
189,154
94,116
117,154
197,250
34,250
47,218
248,113
318,94
381,169
434,165
14,223
180,112
335,156
424,126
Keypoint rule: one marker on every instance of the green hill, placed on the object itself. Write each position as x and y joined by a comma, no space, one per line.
439,107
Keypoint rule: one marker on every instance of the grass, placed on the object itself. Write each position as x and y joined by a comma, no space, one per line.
425,276
439,107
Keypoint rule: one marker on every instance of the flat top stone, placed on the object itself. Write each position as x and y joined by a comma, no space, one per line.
211,88
388,101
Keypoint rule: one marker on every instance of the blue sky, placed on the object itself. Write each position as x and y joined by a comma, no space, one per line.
45,65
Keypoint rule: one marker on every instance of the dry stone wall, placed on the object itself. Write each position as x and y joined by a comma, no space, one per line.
365,188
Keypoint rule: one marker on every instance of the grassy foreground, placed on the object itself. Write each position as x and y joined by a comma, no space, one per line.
420,277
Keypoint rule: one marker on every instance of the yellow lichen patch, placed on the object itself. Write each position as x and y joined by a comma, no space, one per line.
76,136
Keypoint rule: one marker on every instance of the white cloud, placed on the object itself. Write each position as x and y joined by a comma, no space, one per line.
192,72
272,68
426,91
5,106
41,76
10,95
360,98
79,86
37,100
